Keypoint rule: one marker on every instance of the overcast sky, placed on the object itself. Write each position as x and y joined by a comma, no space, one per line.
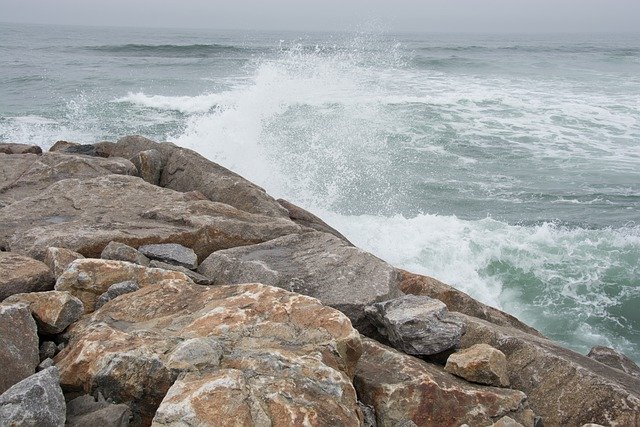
391,15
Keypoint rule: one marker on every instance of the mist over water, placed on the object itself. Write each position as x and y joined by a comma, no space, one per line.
507,166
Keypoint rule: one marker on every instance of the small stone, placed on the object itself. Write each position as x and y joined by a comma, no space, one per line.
116,290
121,252
9,148
614,359
86,411
171,253
23,274
149,164
46,363
196,277
61,346
58,259
507,422
53,310
481,364
48,350
18,344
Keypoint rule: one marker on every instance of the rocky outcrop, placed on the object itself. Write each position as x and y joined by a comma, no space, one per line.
23,274
314,264
9,148
171,253
481,364
120,252
246,354
52,310
85,411
149,164
614,359
18,344
58,259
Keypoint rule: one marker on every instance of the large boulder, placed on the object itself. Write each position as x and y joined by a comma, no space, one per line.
53,310
86,215
614,359
22,274
226,355
150,164
19,353
58,259
85,411
171,253
316,264
306,219
480,363
564,387
120,252
404,389
12,148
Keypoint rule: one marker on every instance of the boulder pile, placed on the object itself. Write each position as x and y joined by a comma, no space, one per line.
142,284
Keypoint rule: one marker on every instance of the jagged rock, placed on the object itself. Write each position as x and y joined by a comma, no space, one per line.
120,252
58,259
196,277
614,359
127,209
506,422
403,388
46,363
480,363
171,253
416,325
82,149
89,278
61,145
149,164
35,401
84,411
314,264
23,274
368,415
18,344
309,220
10,148
563,387
116,290
286,358
53,310
48,350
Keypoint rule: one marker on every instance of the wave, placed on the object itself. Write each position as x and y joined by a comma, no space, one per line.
184,104
168,50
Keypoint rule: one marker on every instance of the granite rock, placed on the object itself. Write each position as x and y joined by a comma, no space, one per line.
58,259
149,164
22,274
480,363
116,290
171,253
614,359
120,252
195,277
19,353
53,310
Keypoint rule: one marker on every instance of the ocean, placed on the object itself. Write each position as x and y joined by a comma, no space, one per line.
505,165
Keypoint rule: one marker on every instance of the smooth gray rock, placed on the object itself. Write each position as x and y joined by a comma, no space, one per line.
35,401
116,290
196,277
149,164
120,252
85,411
171,253
614,359
18,344
315,264
48,349
417,325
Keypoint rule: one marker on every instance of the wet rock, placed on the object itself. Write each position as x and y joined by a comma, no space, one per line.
53,310
58,259
314,264
120,252
195,277
48,350
35,401
18,344
149,164
10,148
116,290
86,411
309,220
403,388
22,274
480,363
614,359
171,253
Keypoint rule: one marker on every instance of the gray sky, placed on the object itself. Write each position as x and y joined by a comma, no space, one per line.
391,15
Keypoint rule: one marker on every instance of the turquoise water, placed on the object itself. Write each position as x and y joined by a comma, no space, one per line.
507,166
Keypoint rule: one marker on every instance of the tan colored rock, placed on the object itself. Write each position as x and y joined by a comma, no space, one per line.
22,274
62,145
245,355
120,252
149,164
403,388
506,422
53,310
58,259
127,209
614,359
10,148
89,278
480,363
19,352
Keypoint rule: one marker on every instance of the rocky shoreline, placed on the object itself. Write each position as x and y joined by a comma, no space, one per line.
142,284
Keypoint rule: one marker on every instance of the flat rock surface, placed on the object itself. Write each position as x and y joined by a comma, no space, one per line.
23,274
19,353
171,253
52,310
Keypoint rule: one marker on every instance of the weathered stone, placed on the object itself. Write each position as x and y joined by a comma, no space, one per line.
10,148
89,278
82,149
58,259
120,252
315,264
48,350
23,274
46,363
149,164
416,325
285,357
196,277
104,148
403,388
307,219
614,359
480,363
53,310
171,253
84,411
564,387
127,209
35,401
18,344
116,290
61,145
506,422
368,415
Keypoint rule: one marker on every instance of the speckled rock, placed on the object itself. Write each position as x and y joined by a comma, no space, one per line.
120,252
53,310
85,411
614,359
171,253
480,363
58,259
149,164
196,277
18,344
11,148
116,290
23,274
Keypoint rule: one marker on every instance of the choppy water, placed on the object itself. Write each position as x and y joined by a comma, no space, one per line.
508,166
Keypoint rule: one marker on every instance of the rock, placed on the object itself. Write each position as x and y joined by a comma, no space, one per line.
18,344
368,415
195,277
309,220
89,278
104,148
563,387
23,274
48,350
120,252
46,363
62,145
314,264
286,359
9,148
53,310
403,388
506,422
86,411
480,363
35,401
82,149
614,359
149,164
171,253
127,209
416,325
116,290
58,259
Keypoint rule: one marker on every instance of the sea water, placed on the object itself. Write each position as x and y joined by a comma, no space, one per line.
505,165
